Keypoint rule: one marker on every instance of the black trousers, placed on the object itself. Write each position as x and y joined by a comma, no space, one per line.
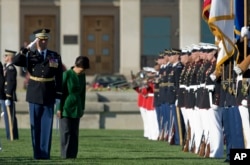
69,134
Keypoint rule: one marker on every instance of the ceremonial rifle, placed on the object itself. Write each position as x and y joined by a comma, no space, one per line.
193,147
207,148
202,146
187,138
10,122
171,137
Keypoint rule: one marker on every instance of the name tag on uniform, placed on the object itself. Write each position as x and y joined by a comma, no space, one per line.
53,63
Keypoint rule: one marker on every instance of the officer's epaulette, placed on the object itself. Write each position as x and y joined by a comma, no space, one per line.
10,67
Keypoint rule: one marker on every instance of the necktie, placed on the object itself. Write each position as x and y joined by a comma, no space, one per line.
42,53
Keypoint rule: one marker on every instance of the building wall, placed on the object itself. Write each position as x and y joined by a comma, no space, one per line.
58,8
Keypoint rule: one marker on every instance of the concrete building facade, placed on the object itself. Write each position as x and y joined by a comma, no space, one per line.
116,35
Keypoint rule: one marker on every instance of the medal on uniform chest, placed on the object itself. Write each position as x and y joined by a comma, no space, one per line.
53,63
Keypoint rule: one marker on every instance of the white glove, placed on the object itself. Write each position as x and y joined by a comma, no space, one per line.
2,114
212,77
237,70
244,102
57,101
244,31
176,103
7,102
31,46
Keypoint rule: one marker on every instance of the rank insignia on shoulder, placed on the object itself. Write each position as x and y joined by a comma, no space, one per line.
10,67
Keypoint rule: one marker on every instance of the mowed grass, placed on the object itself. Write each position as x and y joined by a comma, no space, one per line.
111,147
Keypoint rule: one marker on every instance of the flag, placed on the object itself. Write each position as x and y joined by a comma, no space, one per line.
239,17
221,24
205,9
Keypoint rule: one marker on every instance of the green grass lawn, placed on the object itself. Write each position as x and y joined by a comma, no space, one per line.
111,147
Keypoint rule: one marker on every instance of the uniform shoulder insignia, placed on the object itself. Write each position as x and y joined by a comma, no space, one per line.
10,67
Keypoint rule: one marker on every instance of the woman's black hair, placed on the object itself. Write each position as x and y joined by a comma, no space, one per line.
82,62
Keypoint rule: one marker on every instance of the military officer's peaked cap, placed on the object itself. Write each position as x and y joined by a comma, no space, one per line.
176,51
195,48
161,55
9,52
212,47
184,51
42,33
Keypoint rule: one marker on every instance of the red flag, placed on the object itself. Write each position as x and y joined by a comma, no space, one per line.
206,9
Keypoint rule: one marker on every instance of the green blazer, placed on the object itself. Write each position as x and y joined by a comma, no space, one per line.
74,92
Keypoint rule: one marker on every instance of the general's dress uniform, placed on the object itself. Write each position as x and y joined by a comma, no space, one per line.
44,89
10,119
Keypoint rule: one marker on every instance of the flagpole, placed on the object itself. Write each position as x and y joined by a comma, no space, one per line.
245,24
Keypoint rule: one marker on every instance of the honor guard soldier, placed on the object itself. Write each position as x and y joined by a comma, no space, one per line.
192,86
202,100
139,88
243,77
43,91
151,113
157,103
10,119
212,141
231,117
164,71
175,129
181,99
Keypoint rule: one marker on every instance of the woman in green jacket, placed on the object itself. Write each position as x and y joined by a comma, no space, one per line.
72,106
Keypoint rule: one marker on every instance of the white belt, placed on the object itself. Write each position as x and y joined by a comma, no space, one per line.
210,87
183,86
151,95
194,87
202,85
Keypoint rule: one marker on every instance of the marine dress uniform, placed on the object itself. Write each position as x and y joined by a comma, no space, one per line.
140,88
151,112
192,86
10,119
44,89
